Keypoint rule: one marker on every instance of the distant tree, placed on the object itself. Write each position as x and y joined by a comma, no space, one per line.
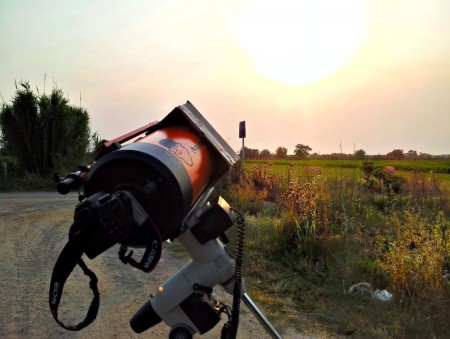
360,154
378,157
396,154
264,154
412,154
250,153
425,156
302,151
338,156
44,132
281,152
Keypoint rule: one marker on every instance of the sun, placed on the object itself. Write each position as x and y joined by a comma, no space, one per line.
298,42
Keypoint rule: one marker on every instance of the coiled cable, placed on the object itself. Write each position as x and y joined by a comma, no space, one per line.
239,263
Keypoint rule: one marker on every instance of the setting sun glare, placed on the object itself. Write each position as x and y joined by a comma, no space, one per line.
300,42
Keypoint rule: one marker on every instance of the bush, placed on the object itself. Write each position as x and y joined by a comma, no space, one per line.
44,132
306,208
414,251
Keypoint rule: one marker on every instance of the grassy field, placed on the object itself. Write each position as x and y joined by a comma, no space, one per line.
436,166
431,169
311,238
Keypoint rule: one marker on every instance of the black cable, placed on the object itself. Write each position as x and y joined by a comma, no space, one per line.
237,291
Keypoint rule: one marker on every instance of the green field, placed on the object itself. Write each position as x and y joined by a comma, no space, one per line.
436,166
439,169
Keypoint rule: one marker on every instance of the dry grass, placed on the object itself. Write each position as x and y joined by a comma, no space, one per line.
329,232
414,252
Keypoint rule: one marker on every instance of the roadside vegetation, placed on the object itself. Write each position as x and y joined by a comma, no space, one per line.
41,134
310,238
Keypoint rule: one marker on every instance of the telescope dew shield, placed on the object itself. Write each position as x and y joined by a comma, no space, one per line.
182,155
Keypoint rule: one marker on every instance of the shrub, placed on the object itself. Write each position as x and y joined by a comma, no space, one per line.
376,180
414,251
305,216
262,180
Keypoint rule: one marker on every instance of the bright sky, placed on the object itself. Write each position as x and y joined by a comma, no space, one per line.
350,74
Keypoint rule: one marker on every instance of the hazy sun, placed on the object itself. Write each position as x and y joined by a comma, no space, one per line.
300,41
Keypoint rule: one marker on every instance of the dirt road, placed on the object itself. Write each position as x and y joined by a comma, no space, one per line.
33,231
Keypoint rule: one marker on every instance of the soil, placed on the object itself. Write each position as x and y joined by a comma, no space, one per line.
33,231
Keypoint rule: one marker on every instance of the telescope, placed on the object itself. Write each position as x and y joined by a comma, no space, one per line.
151,185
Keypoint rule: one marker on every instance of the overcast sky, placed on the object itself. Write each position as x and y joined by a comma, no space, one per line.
367,74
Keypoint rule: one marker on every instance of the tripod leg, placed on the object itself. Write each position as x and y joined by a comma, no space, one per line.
261,318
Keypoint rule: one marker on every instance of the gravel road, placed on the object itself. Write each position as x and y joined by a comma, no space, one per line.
33,231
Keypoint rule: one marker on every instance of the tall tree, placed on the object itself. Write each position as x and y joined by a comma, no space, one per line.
20,127
281,152
250,153
264,154
45,133
412,154
360,154
302,151
396,154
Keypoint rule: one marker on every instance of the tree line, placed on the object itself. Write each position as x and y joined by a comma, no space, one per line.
302,151
44,132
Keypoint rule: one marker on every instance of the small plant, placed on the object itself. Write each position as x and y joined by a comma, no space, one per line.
426,189
376,180
306,208
263,180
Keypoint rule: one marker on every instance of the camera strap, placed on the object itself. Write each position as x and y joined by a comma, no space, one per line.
71,256
81,241
152,252
67,260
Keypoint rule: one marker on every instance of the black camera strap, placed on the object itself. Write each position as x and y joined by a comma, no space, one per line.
152,252
67,260
118,215
71,256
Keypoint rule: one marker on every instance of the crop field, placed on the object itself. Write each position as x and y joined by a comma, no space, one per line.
436,166
431,169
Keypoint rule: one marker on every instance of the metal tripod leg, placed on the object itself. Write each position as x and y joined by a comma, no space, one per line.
261,318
